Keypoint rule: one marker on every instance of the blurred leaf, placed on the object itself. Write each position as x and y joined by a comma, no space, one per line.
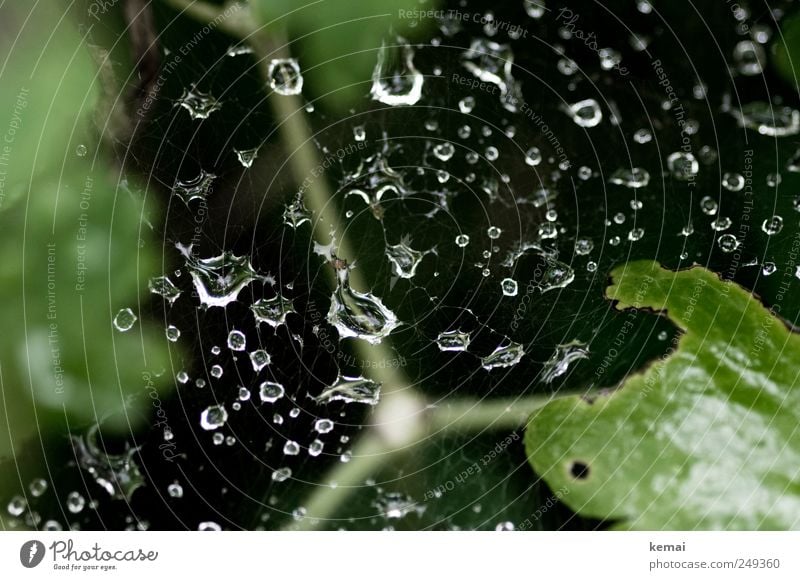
705,438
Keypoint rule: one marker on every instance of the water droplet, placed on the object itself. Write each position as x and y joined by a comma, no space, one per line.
634,178
635,234
75,502
273,310
269,392
175,490
494,232
535,8
296,214
453,340
323,426
359,133
209,527
237,340
749,58
404,260
769,268
16,506
213,417
505,527
767,119
395,505
259,359
199,104
709,206
196,188
81,150
556,275
172,333
291,448
683,166
564,355
583,246
533,156
728,243
585,113
218,280
124,320
357,314
772,226
37,487
492,63
733,181
284,76
163,286
462,240
721,223
315,447
509,287
351,390
246,156
444,151
503,356
642,136
395,80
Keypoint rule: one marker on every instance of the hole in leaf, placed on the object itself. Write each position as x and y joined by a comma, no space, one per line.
579,470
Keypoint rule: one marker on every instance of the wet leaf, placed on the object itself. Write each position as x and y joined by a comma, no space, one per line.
704,438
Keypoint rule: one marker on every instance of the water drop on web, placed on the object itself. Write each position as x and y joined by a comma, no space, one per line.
175,490
404,260
315,447
213,417
503,356
509,287
37,487
118,474
209,527
199,104
216,371
272,311
749,58
772,226
728,243
259,359
462,240
75,502
172,333
453,340
218,280
769,120
296,214
556,275
395,80
196,188
237,340
585,113
284,76
494,232
535,8
583,246
124,320
533,156
351,390
164,287
683,166
17,506
565,354
444,151
269,391
323,426
733,181
357,314
291,448
246,156
281,474
634,178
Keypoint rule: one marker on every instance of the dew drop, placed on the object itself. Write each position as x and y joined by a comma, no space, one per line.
213,417
585,113
772,226
359,315
351,390
503,356
164,287
395,80
269,392
453,341
285,77
728,243
124,320
237,340
259,359
564,355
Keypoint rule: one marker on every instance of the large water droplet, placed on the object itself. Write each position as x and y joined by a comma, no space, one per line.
503,356
165,288
273,310
218,280
564,355
585,113
269,391
124,320
634,178
213,417
683,166
357,314
404,260
284,76
453,340
351,390
395,81
199,104
196,188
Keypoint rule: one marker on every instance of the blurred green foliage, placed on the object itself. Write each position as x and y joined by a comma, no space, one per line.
337,41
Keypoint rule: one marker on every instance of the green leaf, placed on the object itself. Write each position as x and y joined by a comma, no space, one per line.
706,437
